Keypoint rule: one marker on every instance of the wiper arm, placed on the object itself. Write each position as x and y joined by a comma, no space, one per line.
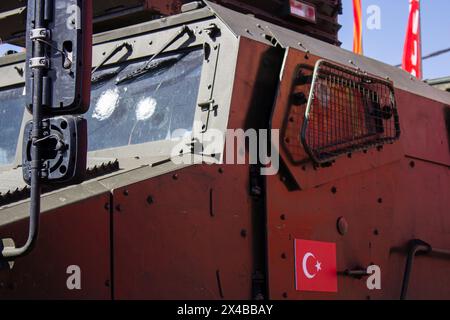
149,65
111,54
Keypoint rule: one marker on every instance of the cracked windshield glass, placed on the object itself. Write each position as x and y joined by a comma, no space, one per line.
128,109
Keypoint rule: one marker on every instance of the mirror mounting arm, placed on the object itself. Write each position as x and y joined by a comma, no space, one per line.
39,69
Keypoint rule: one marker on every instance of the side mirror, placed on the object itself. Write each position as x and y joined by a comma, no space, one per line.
68,36
58,73
59,43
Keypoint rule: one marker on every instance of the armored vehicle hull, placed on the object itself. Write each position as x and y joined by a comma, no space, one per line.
157,220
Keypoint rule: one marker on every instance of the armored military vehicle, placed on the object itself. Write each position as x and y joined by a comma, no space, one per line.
364,156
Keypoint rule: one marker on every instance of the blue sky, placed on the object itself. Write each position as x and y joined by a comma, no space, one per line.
386,44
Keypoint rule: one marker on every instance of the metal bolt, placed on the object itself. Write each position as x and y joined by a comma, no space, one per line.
342,226
243,233
150,200
299,98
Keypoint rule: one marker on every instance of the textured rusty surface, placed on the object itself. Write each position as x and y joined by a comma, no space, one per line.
423,120
191,234
288,117
312,214
421,211
198,233
178,236
78,234
386,198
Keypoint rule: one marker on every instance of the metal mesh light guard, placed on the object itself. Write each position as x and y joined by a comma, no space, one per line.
347,110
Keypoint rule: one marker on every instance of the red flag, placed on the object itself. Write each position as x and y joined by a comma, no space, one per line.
315,266
357,27
412,53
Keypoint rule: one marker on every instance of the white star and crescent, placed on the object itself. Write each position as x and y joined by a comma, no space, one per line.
318,265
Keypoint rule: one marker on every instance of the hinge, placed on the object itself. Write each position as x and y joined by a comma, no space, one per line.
207,83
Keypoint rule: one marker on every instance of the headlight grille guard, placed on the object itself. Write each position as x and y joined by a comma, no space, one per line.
348,110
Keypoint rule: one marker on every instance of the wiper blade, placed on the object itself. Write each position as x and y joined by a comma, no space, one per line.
147,68
105,76
149,65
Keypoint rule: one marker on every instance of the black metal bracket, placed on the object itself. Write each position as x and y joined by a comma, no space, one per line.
63,147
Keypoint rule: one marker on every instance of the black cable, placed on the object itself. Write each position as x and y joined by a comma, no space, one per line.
431,55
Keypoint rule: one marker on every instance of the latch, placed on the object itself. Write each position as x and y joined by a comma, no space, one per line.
207,107
212,30
208,79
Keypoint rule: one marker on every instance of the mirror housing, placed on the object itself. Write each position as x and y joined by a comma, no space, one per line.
66,86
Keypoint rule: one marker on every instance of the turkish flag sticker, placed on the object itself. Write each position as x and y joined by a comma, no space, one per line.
315,266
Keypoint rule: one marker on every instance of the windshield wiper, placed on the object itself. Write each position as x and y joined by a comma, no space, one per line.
147,68
105,76
107,57
149,64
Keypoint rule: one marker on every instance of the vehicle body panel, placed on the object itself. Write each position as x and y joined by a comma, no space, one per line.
154,228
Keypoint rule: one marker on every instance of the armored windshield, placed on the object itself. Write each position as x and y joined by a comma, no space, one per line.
12,102
146,108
